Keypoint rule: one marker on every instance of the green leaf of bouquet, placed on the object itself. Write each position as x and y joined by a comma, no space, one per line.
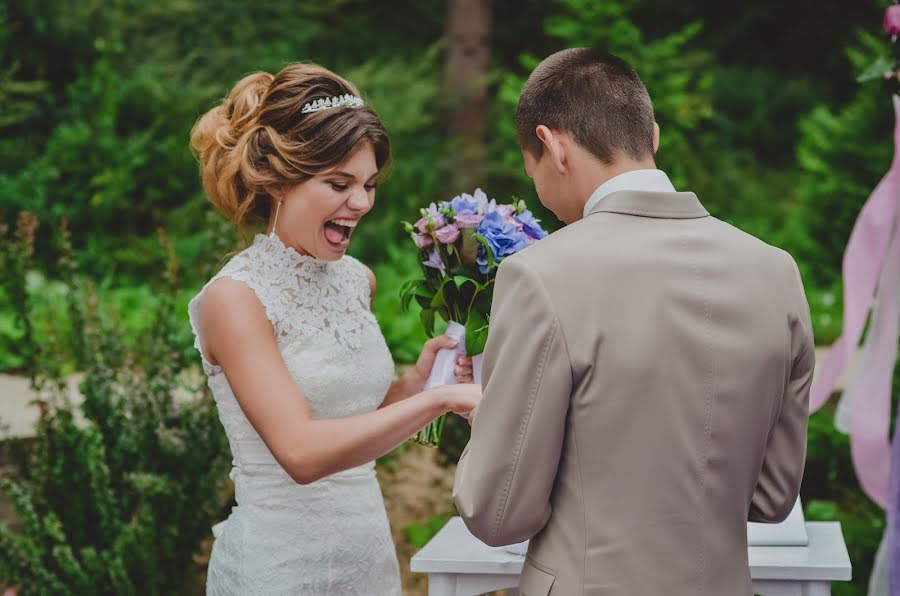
468,290
461,280
427,318
408,285
438,300
406,293
417,288
476,333
877,69
484,299
423,301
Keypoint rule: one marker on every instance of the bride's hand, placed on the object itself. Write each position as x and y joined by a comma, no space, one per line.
418,375
462,399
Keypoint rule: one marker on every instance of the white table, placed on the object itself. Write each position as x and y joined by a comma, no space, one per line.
458,564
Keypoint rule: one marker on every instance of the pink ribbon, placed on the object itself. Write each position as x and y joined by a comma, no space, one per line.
871,264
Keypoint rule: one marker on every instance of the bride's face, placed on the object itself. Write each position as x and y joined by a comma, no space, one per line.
319,216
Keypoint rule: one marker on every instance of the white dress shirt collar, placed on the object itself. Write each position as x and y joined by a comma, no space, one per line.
644,180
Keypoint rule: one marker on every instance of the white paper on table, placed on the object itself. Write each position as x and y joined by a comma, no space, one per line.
519,548
790,532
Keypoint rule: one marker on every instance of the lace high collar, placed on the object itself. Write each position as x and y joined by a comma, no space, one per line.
280,252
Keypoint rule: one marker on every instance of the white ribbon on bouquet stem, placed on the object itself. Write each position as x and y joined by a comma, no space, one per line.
444,370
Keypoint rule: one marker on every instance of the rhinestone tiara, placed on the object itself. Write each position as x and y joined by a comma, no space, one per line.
326,103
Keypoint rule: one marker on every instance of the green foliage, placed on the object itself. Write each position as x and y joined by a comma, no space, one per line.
117,493
402,330
842,153
418,535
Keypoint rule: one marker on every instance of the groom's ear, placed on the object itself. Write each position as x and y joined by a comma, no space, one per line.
655,137
554,149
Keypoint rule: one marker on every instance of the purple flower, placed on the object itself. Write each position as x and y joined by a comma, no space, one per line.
476,203
468,220
422,240
892,19
531,225
447,235
482,201
502,236
506,210
434,261
464,205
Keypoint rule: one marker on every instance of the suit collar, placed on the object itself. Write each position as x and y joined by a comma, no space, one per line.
651,179
663,205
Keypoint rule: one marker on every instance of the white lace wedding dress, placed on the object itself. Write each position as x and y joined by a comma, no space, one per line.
331,536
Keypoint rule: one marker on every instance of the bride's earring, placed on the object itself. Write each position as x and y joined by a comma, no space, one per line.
275,220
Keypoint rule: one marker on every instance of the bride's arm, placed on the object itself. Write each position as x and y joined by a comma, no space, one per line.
238,336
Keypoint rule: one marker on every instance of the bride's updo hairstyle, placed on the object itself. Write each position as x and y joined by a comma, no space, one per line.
259,137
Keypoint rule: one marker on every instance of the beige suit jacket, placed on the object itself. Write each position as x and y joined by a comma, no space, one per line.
646,384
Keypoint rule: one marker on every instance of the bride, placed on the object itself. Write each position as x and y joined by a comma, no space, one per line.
300,371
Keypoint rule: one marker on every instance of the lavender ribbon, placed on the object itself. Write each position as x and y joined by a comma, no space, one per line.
871,262
872,257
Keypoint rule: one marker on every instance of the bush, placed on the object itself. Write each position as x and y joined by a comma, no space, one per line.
117,493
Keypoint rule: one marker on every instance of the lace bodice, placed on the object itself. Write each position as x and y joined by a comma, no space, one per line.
328,337
330,536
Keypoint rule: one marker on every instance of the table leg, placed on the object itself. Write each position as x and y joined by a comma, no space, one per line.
471,584
442,584
772,587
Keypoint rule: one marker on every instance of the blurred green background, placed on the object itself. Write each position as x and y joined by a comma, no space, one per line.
760,114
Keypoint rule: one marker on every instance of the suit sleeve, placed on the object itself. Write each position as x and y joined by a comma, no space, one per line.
507,471
782,469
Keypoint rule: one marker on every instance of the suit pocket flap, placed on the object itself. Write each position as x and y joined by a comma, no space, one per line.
534,581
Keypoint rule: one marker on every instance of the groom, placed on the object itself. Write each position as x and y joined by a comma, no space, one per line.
647,373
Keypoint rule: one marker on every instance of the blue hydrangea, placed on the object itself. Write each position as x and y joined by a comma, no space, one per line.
502,236
531,225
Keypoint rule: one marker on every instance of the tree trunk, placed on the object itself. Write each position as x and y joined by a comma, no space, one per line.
468,57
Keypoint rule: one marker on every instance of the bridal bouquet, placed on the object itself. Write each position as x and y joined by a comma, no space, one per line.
461,242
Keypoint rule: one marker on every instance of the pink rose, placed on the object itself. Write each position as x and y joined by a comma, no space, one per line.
447,235
469,220
437,221
422,240
892,19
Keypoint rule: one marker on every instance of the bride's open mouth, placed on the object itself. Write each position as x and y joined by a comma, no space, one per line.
338,232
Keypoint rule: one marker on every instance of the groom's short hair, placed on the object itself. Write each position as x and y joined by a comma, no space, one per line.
594,96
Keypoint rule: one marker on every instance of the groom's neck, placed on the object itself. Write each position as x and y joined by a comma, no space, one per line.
594,174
